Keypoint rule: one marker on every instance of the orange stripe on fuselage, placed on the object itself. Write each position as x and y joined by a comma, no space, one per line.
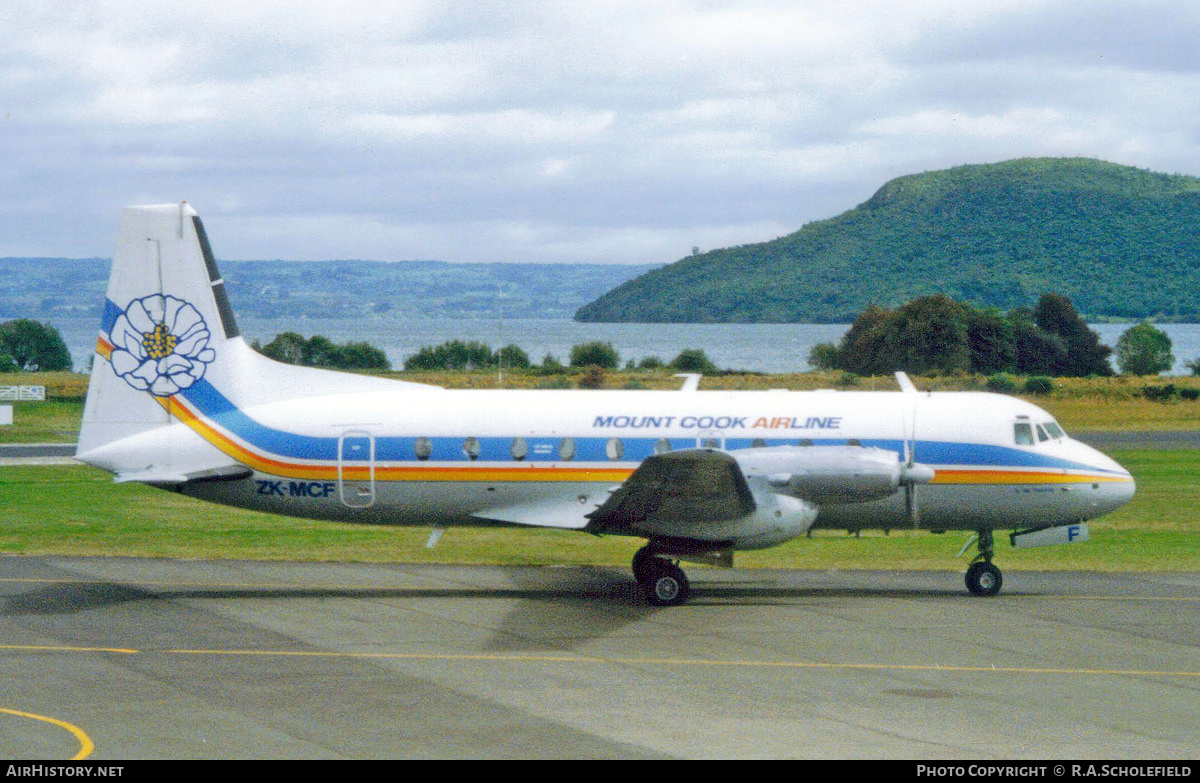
956,476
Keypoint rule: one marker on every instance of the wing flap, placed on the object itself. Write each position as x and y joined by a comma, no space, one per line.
172,476
565,513
692,486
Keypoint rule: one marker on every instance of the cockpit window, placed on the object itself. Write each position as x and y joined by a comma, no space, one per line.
1023,434
1055,431
1042,436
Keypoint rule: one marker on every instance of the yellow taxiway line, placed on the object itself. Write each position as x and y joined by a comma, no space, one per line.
86,746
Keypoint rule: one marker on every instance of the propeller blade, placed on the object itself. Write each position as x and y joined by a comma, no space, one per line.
913,473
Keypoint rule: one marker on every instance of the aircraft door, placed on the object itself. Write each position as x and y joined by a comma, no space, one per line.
356,469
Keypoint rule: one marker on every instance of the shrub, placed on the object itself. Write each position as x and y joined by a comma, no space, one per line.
33,346
453,355
551,366
595,353
1038,384
513,357
692,360
362,356
823,356
1189,394
319,351
1001,383
1159,393
655,363
1144,350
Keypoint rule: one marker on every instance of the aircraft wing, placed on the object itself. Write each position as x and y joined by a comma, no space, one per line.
696,486
687,487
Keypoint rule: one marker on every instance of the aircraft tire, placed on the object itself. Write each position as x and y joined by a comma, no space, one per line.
983,578
666,585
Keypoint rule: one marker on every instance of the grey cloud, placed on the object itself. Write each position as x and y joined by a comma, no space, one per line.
1155,35
548,131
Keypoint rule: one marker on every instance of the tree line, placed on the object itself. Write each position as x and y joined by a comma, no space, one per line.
933,334
937,334
320,351
459,355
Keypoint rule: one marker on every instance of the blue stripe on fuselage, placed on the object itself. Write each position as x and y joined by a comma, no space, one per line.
213,405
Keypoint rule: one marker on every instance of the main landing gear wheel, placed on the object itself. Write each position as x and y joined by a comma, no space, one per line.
983,578
662,582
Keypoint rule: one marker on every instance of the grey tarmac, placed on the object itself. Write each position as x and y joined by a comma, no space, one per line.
150,658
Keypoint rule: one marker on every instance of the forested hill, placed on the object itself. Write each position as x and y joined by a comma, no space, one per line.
1117,241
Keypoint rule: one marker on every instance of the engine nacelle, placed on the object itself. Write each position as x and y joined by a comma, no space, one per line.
776,518
825,474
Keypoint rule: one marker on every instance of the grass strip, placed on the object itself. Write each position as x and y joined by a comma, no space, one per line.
76,510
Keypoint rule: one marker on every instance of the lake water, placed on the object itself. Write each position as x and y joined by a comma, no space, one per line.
771,348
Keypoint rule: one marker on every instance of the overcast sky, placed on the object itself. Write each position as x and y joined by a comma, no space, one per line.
556,131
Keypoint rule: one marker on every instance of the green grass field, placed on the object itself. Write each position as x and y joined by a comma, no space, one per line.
68,510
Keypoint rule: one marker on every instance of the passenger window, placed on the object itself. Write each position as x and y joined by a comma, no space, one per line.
471,448
519,448
1042,436
615,448
1023,434
422,448
566,449
662,446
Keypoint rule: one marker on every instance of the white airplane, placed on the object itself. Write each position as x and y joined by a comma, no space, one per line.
178,400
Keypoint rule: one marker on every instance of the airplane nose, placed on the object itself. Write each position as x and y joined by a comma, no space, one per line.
1118,490
1115,494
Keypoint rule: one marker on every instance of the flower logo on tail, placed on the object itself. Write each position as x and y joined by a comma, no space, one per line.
160,345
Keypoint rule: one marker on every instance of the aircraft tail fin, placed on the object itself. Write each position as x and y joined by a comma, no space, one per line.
169,349
166,318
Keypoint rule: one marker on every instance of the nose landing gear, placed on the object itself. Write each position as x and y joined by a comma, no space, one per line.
984,578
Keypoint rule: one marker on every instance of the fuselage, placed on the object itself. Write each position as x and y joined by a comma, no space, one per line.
445,457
